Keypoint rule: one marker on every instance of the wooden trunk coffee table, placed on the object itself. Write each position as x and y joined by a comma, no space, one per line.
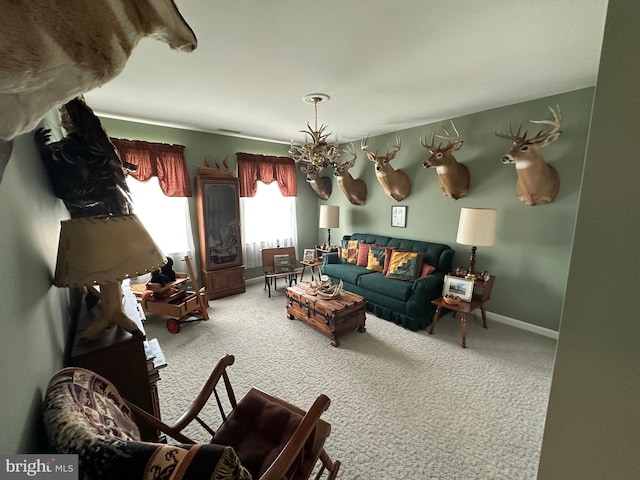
333,317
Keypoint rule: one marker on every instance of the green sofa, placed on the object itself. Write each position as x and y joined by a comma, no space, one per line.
402,302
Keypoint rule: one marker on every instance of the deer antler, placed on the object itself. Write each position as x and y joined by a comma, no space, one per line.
542,135
451,139
390,154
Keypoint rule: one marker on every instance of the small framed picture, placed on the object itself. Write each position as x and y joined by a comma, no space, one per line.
462,287
398,215
309,255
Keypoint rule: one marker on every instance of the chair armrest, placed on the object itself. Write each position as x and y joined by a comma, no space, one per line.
219,371
278,469
331,257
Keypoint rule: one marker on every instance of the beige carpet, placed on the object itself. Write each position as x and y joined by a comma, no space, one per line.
405,405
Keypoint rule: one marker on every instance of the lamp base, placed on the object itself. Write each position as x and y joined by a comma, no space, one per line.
111,313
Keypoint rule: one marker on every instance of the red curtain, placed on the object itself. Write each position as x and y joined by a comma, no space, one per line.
157,160
252,167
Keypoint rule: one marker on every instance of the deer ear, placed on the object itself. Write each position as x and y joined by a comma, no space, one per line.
371,156
551,138
457,145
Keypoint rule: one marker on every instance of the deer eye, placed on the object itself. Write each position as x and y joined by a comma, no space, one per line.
439,155
525,148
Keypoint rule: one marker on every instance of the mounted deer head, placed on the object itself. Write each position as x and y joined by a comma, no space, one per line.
320,185
354,189
538,182
395,183
453,176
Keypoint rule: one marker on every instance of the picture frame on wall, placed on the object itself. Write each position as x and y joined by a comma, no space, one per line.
462,287
399,216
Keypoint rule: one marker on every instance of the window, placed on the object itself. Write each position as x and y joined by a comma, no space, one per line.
166,218
268,220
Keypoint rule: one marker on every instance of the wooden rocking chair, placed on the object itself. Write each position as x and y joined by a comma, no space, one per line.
273,439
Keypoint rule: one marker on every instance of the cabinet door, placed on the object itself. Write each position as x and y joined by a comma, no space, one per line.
218,222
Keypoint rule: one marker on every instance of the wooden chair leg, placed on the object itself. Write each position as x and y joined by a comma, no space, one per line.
331,466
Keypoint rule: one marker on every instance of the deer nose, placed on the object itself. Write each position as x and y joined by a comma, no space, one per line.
425,165
507,159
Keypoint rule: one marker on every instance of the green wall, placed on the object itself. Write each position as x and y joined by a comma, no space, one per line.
33,313
533,245
593,424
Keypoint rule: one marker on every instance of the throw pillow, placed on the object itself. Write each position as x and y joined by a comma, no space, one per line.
349,252
388,251
363,254
427,269
376,258
404,265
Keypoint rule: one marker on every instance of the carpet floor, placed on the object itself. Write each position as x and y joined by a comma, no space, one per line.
404,405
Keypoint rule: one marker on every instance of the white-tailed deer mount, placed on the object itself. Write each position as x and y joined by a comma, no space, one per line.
395,183
354,189
320,185
538,182
54,51
453,176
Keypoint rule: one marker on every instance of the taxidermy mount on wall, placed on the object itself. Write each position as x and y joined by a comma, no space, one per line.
53,51
453,177
538,182
395,183
84,167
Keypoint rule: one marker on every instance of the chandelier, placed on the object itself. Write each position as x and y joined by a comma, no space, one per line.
316,151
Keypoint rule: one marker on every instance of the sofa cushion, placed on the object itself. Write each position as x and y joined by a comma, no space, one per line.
427,269
405,265
376,260
345,272
349,251
363,254
376,282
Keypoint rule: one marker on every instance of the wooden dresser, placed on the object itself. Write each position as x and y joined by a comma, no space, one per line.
120,357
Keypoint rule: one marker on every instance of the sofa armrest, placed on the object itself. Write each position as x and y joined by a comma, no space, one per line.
431,282
331,257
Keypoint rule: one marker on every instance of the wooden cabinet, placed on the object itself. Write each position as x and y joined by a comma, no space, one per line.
218,204
120,357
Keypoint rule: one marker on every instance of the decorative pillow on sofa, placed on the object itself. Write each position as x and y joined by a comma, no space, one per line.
388,252
427,269
349,251
376,258
363,254
405,265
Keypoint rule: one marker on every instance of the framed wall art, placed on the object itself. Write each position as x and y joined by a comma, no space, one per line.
399,216
461,287
309,255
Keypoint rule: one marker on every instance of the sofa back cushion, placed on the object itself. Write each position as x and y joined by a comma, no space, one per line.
437,254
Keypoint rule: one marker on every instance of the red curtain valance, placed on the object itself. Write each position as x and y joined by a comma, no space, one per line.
157,160
253,167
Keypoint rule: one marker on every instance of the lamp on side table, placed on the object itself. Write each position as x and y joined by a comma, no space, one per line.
477,227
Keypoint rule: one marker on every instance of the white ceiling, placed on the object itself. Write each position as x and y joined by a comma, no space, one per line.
387,65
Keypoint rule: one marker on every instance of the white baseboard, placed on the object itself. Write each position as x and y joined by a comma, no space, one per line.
546,332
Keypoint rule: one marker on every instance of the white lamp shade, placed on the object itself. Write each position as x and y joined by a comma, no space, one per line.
477,227
329,216
103,250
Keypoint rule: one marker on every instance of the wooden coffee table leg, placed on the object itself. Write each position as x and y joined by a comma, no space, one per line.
334,341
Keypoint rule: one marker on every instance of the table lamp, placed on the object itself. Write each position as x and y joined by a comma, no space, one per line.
477,227
103,251
329,218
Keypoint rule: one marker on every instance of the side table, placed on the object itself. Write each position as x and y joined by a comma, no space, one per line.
481,295
314,266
